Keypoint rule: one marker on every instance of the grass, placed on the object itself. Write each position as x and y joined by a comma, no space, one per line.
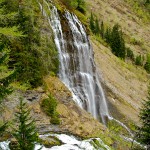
20,86
139,10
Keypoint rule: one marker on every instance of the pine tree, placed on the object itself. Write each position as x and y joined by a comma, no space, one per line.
7,33
4,79
92,23
108,35
97,28
147,64
102,31
117,43
143,132
26,134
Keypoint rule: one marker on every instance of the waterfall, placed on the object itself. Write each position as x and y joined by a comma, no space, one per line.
77,69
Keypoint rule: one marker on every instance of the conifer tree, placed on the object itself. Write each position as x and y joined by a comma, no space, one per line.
117,42
143,132
108,35
26,134
97,28
102,32
7,33
147,64
92,23
4,79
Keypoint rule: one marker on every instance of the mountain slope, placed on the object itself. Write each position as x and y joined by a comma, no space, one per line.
126,84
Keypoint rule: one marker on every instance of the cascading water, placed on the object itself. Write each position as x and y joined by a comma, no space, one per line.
69,142
77,69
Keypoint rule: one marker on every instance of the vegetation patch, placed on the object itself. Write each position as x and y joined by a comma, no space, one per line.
114,38
50,141
49,106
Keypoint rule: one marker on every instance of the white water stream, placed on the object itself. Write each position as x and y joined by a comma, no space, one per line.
69,143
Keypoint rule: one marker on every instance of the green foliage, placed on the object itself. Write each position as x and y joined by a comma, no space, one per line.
143,132
26,134
81,6
117,42
54,119
76,5
139,60
113,37
97,28
98,145
141,8
135,42
130,54
3,127
147,64
49,106
92,23
108,35
7,33
10,31
102,30
29,49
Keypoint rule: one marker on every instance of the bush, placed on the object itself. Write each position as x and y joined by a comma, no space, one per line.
130,53
49,106
54,119
139,60
147,64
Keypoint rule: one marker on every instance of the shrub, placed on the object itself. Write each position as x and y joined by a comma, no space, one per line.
54,119
139,60
147,64
49,106
130,53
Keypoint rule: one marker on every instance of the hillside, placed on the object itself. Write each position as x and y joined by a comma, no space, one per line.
126,83
54,63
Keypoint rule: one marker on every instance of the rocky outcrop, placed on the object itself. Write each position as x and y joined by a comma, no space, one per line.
74,120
